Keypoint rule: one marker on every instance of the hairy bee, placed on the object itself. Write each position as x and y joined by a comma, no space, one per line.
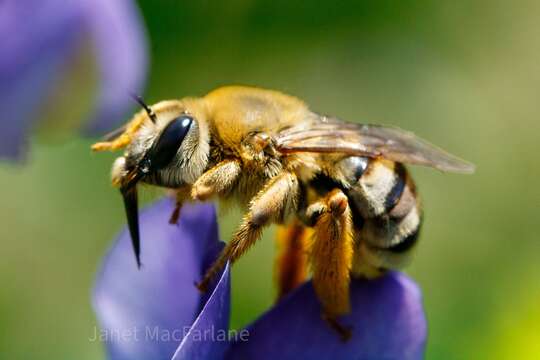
267,151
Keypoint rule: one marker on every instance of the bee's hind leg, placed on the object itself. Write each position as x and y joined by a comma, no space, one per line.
331,257
273,203
290,269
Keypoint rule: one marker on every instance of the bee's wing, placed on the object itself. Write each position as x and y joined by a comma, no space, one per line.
328,135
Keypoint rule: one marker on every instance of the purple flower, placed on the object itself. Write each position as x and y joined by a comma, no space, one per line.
38,40
157,313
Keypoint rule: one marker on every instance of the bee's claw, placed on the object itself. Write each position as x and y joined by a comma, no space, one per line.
201,286
344,332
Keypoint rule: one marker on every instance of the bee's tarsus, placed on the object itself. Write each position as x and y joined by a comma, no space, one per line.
175,216
201,286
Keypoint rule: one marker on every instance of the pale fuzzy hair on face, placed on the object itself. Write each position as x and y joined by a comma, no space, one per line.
118,170
192,157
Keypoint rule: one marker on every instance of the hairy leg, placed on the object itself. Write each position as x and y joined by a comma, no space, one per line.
331,256
271,204
217,180
290,268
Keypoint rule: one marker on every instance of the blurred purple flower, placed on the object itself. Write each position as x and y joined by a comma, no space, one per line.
162,296
157,313
40,37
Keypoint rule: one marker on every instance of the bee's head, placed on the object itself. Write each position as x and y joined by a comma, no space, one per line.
170,149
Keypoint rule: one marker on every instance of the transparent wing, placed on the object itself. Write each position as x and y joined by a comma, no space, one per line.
114,134
327,135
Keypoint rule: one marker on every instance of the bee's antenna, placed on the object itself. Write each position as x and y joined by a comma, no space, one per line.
147,108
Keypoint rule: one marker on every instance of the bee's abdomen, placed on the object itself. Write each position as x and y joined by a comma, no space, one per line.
384,197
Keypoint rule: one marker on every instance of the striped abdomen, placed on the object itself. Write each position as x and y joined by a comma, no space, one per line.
386,211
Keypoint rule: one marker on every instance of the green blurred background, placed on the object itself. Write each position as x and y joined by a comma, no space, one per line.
463,74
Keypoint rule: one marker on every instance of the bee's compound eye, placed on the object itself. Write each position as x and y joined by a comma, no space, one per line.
169,141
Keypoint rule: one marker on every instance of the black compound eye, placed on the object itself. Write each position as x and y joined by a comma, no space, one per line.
168,143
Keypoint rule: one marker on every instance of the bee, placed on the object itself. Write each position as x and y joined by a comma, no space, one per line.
341,189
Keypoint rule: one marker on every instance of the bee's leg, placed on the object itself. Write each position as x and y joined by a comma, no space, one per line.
291,263
116,144
123,138
217,180
331,256
273,203
182,195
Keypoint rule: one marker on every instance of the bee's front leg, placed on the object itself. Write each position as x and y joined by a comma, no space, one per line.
217,180
116,144
122,138
272,204
331,256
182,195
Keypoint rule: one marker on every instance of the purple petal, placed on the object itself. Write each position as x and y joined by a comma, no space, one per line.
387,318
121,45
144,314
207,338
37,37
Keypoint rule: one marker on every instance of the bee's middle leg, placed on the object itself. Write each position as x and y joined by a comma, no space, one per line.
331,256
273,203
